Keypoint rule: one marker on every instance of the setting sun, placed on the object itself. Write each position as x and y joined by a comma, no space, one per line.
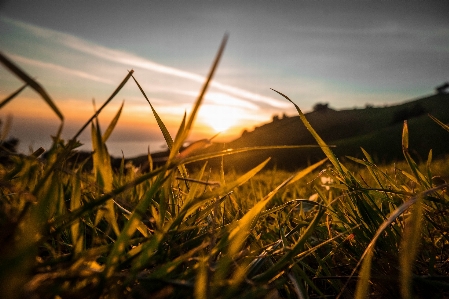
220,118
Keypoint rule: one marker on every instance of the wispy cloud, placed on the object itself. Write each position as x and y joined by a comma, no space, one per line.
139,62
134,61
59,68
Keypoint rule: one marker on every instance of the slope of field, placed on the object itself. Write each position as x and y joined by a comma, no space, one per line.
377,129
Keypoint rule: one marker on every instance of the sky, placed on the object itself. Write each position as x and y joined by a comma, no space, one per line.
345,53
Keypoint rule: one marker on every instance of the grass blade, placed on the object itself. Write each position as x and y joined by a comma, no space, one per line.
330,155
32,83
160,123
116,91
12,96
393,216
112,125
409,247
199,100
444,126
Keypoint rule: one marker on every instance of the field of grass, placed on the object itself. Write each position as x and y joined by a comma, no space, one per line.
330,230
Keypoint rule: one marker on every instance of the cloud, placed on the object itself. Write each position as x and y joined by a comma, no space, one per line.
138,62
60,68
135,61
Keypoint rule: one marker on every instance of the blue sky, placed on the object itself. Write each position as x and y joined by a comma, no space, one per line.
345,53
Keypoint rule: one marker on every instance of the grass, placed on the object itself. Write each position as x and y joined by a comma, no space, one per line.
331,230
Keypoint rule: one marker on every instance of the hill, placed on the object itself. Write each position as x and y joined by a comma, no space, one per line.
377,129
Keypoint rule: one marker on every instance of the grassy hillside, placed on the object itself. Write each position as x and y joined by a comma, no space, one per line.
377,130
325,231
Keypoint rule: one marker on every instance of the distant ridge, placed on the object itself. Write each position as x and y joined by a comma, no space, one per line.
376,129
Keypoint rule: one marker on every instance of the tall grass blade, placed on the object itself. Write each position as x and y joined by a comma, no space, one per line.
243,227
363,283
12,96
306,171
330,155
409,247
75,228
116,91
160,123
286,259
193,204
104,176
112,125
199,100
393,216
202,279
412,164
32,83
443,125
131,226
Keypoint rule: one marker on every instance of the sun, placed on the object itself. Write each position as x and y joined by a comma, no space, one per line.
219,117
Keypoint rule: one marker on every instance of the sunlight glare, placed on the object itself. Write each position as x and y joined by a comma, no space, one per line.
220,118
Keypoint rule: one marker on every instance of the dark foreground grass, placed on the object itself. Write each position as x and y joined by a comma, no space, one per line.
325,231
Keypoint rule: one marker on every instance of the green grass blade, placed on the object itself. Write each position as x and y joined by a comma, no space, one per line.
60,223
206,84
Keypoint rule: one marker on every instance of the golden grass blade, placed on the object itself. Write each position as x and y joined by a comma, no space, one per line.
112,125
131,226
393,216
317,137
306,171
75,202
194,204
199,100
243,227
5,128
405,136
202,279
286,259
32,83
412,164
160,123
443,125
409,247
12,96
104,176
206,84
116,91
164,130
232,151
362,288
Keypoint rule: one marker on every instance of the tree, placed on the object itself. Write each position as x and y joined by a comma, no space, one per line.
321,107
